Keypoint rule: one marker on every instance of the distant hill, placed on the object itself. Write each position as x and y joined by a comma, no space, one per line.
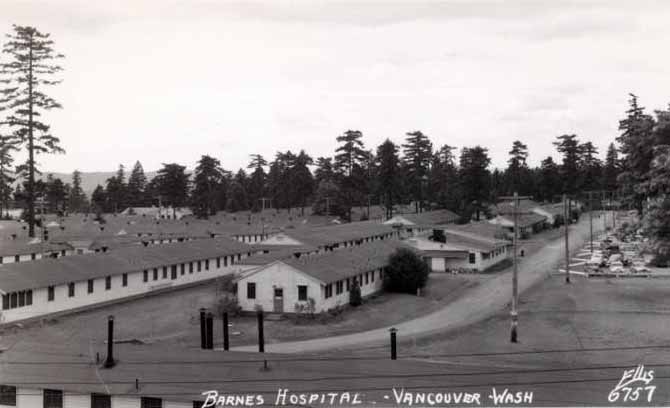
90,180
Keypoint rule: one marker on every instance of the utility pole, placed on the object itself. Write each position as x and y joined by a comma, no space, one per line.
567,248
515,281
591,219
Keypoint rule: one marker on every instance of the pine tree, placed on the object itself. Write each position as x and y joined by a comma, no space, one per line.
136,188
77,197
257,181
417,155
172,186
518,176
636,145
302,181
239,199
549,180
590,173
324,170
28,71
388,172
611,169
115,191
474,180
7,149
350,157
56,194
569,147
206,186
99,199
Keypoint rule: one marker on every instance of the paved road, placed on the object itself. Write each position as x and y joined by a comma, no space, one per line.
480,302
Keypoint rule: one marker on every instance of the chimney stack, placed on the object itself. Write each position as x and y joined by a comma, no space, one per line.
109,363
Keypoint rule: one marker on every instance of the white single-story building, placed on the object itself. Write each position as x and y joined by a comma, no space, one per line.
528,224
418,223
462,251
289,285
12,251
44,287
167,213
333,237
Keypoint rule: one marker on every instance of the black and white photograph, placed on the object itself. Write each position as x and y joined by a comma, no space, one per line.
334,203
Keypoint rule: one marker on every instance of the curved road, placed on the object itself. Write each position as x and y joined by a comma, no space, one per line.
479,303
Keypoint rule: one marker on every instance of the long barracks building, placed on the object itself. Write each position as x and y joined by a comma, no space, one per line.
49,286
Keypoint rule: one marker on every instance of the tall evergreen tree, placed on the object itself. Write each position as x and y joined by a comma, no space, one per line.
590,173
636,143
569,147
257,181
136,188
239,199
549,180
417,154
518,176
302,181
388,172
99,199
611,168
324,170
56,194
206,186
77,201
172,185
474,180
350,157
115,191
7,149
443,179
29,70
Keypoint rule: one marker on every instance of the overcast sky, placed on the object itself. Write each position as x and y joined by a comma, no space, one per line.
161,81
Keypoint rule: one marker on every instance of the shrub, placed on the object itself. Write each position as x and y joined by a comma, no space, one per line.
227,303
406,272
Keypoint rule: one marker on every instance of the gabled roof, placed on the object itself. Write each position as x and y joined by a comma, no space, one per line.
525,220
436,217
47,272
344,263
325,236
24,247
507,207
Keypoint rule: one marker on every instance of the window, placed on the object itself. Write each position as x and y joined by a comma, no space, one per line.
50,294
14,302
302,292
218,263
145,276
90,285
101,401
471,258
183,268
199,266
108,283
173,272
5,302
22,298
225,261
328,290
70,289
7,395
348,284
239,257
155,273
53,399
367,279
33,256
372,276
17,258
147,402
124,279
190,267
165,272
29,298
206,264
339,287
251,290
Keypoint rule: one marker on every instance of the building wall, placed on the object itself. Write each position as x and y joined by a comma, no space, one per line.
282,276
288,278
442,264
136,286
32,398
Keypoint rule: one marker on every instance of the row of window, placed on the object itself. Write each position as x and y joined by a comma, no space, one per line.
27,298
362,279
33,256
54,399
251,291
17,299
